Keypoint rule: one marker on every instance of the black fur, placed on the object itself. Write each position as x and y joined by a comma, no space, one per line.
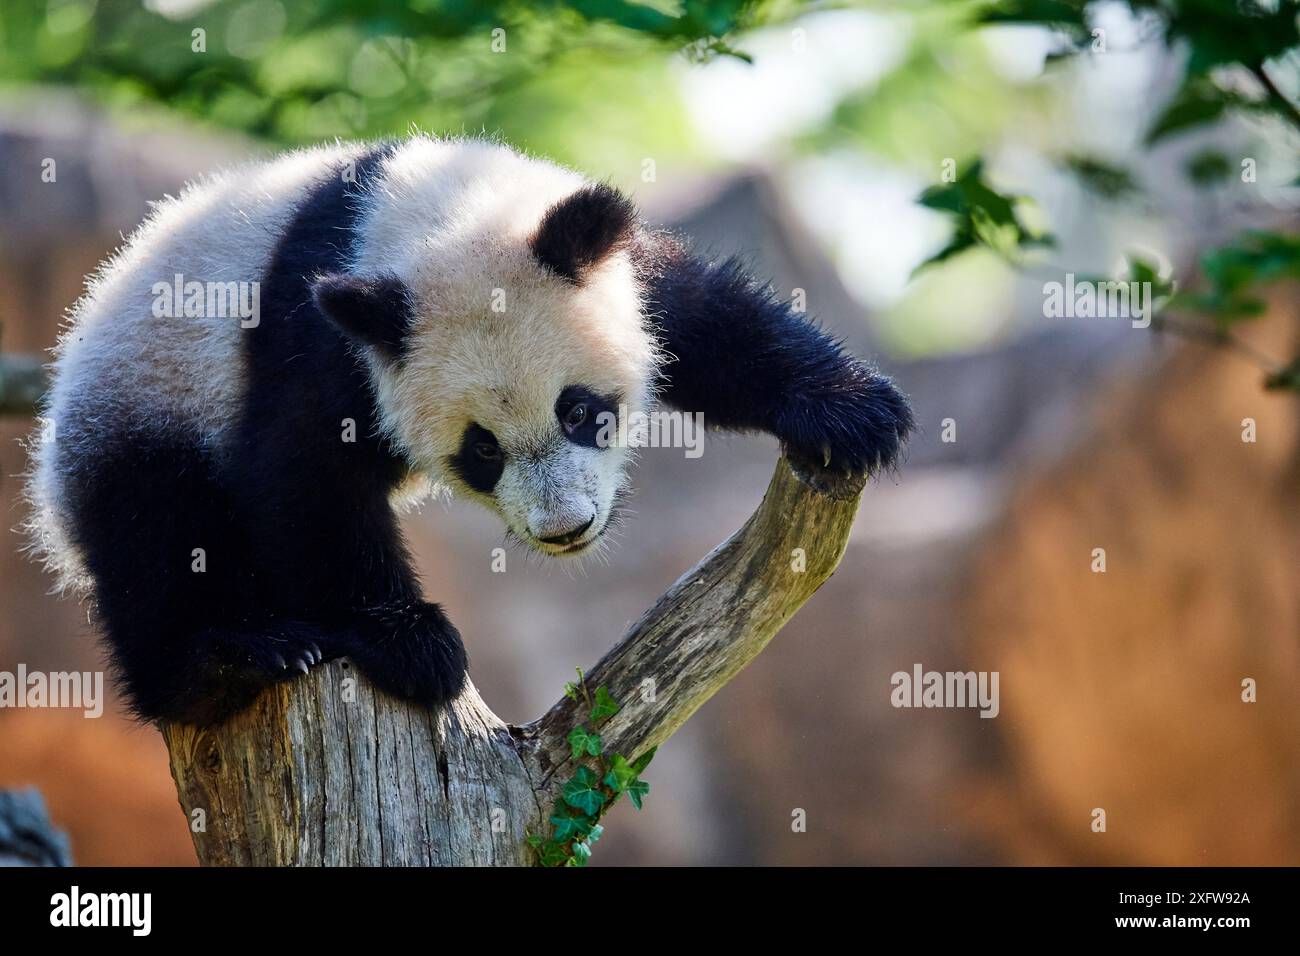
581,230
372,310
588,433
748,362
480,473
304,558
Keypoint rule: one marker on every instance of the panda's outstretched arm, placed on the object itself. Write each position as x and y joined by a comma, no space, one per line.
748,362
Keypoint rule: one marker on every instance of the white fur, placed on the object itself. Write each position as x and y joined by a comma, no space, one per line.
452,218
115,361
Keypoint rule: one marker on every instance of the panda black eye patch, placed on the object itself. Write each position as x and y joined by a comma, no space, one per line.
480,460
582,413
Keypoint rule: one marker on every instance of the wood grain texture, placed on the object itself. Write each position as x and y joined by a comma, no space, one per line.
326,771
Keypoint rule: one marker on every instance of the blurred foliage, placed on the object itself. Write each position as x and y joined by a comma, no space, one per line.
946,90
1102,179
596,83
1221,41
1208,167
298,72
1235,275
982,216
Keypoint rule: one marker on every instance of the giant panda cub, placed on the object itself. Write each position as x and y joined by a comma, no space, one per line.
432,312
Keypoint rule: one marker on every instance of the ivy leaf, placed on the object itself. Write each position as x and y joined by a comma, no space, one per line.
621,774
643,761
571,827
623,778
595,833
581,854
605,705
584,744
581,793
553,854
571,690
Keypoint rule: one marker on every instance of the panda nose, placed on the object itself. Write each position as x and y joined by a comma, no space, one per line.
567,537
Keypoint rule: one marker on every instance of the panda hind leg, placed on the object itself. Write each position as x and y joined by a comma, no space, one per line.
206,677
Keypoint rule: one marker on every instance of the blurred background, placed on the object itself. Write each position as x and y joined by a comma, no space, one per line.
919,170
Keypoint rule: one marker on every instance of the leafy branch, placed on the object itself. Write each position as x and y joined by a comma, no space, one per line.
597,783
1248,34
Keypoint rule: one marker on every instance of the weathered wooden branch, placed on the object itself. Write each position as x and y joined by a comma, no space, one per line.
325,771
22,383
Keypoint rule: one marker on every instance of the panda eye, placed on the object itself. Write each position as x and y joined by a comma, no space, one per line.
575,416
487,451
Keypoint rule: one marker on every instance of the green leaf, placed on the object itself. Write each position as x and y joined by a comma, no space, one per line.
1064,15
581,793
1141,270
1208,167
1287,378
581,854
643,761
623,778
983,217
1196,103
584,744
1099,177
621,774
571,690
1234,272
1218,33
553,854
605,705
569,827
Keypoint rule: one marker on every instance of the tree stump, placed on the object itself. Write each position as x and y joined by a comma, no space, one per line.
324,770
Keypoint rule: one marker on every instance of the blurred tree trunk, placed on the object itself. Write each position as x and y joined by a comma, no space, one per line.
324,771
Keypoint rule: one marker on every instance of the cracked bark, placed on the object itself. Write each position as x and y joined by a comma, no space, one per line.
326,771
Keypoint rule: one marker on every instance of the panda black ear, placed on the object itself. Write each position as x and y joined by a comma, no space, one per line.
372,310
582,229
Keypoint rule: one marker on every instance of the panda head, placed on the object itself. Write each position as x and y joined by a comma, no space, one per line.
505,348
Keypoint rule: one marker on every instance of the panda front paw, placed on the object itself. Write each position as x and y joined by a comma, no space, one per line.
854,424
412,651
